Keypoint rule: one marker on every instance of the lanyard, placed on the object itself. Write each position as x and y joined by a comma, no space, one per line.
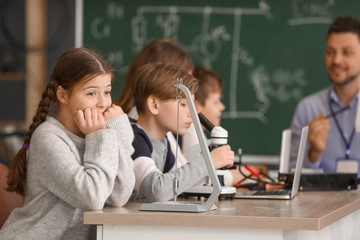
347,143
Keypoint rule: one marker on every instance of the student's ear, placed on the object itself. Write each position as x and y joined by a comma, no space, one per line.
153,105
198,106
62,95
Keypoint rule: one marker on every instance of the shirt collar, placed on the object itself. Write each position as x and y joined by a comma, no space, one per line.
335,99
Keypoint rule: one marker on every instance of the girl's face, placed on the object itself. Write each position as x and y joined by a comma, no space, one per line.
93,94
213,108
167,117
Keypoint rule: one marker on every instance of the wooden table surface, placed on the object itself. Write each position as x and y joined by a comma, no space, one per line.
307,211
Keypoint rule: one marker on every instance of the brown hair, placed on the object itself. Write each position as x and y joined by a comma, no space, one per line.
209,82
72,67
345,24
159,50
158,80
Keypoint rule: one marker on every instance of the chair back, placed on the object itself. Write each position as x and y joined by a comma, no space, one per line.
8,200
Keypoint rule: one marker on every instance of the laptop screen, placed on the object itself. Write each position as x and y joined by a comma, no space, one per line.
299,161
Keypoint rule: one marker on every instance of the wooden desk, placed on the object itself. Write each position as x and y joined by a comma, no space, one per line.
310,215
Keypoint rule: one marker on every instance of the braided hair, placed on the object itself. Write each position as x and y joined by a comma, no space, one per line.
72,67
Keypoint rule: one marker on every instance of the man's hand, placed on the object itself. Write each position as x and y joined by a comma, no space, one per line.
317,136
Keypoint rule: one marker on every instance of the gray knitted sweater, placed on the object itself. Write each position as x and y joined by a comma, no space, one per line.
67,175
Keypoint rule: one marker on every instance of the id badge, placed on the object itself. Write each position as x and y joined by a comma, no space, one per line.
350,165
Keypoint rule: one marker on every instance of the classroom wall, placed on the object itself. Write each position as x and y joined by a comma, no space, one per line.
60,32
270,53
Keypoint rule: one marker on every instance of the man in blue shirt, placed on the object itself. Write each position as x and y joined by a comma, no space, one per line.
332,138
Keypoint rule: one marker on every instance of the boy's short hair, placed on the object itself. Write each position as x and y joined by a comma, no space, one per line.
158,80
209,82
160,50
345,24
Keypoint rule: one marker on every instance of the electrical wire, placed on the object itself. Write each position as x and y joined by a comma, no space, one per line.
257,179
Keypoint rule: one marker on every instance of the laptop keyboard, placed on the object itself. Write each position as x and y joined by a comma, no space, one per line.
273,192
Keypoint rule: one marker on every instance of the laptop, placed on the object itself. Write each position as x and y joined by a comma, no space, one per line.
282,193
284,165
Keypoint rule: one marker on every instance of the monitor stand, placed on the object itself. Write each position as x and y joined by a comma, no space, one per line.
189,206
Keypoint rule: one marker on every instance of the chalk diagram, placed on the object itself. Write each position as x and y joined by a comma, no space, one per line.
311,12
266,85
206,45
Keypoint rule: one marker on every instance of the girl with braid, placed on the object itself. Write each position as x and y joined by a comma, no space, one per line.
75,158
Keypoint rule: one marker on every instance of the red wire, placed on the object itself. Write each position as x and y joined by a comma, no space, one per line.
250,169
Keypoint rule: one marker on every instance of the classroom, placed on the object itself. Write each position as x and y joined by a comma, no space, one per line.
270,55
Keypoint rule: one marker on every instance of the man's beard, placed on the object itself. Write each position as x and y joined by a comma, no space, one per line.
348,80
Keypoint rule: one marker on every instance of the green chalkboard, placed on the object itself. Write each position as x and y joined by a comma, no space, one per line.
270,53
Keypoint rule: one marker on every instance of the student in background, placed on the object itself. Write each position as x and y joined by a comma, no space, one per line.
164,51
333,139
159,50
157,104
208,102
76,156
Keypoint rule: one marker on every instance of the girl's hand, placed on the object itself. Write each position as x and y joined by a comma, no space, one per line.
113,112
89,120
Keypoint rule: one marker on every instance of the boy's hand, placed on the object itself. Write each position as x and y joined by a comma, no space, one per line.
89,120
113,112
222,156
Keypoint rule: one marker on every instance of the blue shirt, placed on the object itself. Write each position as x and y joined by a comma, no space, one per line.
315,105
